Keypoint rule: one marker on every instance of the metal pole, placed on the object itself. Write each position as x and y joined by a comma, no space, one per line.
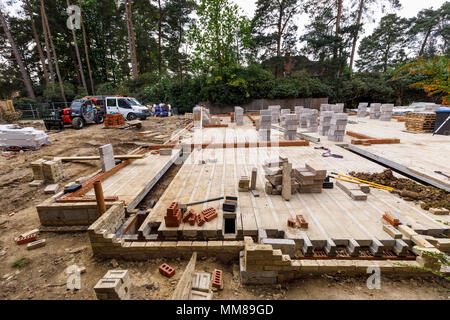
100,198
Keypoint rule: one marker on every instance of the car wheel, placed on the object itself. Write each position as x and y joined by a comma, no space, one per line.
78,123
99,119
131,116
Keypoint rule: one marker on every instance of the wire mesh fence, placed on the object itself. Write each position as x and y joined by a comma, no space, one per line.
36,111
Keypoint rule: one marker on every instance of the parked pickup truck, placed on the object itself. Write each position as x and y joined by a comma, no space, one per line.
129,107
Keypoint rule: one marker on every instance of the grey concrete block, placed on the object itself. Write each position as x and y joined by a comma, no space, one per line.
400,248
353,248
201,281
261,235
330,248
287,246
308,248
376,248
107,157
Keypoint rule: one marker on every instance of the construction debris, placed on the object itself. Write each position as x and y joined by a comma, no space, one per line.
115,285
36,244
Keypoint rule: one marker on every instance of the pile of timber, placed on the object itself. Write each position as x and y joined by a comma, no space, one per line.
420,122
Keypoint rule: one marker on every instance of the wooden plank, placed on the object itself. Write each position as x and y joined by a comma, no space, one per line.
184,286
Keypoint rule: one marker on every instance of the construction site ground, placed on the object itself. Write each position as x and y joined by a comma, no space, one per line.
42,272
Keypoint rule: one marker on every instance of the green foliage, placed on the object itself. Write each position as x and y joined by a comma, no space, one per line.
20,263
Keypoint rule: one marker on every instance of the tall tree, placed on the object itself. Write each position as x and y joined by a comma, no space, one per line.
427,27
273,22
77,52
217,35
131,37
385,46
55,58
86,52
47,46
362,8
23,71
38,42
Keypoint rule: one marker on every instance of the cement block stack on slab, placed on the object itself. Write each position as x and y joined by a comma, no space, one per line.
386,112
312,121
284,112
362,109
310,179
325,122
239,116
265,125
275,112
338,108
325,107
337,127
375,110
304,116
290,126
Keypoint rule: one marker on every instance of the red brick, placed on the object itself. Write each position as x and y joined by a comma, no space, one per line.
200,219
192,219
209,214
217,280
188,215
302,221
173,221
291,223
166,270
30,238
391,219
172,209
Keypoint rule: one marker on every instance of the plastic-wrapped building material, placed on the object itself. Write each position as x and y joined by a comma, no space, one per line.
27,138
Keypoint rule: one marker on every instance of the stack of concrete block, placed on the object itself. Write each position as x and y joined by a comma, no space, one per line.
275,112
303,118
337,127
325,107
53,171
386,112
12,135
201,113
325,122
362,109
312,120
290,126
265,125
375,110
309,179
284,112
338,108
115,285
239,116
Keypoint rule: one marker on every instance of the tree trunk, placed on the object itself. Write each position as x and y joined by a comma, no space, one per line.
23,71
61,86
77,52
131,38
47,48
86,50
160,37
338,27
355,38
38,43
422,49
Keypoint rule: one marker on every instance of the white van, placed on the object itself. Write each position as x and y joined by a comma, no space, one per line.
129,107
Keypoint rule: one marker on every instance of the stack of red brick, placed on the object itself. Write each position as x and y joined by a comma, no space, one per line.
173,216
114,120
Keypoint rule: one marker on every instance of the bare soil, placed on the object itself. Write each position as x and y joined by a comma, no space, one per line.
44,276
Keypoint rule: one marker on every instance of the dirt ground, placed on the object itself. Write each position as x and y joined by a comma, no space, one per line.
43,275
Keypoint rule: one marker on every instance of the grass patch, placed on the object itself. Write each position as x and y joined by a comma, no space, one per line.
20,263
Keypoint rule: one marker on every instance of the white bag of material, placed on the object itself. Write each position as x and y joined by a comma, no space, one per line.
15,136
